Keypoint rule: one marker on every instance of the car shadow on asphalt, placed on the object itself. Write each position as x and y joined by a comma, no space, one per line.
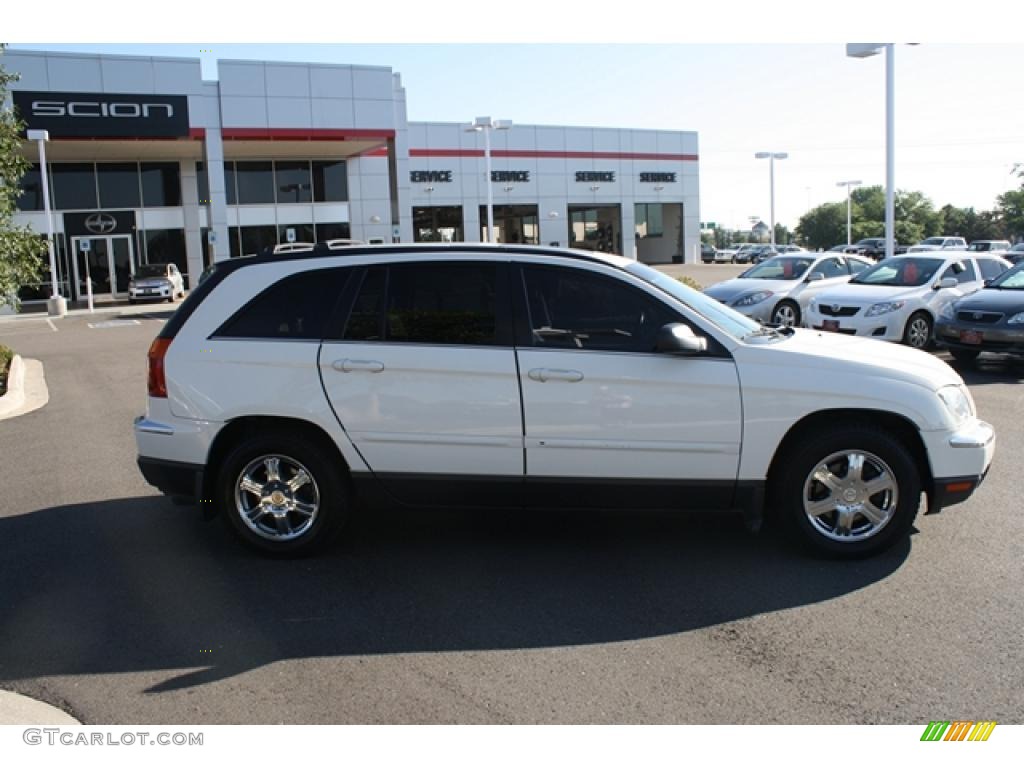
142,585
991,369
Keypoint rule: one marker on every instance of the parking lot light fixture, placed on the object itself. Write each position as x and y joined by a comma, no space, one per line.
56,304
485,125
863,51
849,185
771,157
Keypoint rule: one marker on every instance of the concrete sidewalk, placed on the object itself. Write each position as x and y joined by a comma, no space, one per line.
105,309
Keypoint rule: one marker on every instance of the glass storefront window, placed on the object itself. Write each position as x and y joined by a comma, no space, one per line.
161,185
255,239
512,224
437,224
595,228
649,220
119,185
255,183
330,181
74,186
293,181
31,197
230,183
234,242
202,184
303,233
340,230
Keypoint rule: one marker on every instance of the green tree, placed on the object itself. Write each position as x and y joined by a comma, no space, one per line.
21,249
969,224
823,227
1010,213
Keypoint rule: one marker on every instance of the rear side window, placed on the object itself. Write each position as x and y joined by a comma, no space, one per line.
296,307
990,268
429,303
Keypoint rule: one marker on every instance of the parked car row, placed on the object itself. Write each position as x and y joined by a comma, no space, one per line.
916,299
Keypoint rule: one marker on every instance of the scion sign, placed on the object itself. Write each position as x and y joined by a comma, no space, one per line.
112,115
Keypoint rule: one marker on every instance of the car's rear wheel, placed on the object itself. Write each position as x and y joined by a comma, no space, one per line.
786,313
918,333
965,355
280,494
851,492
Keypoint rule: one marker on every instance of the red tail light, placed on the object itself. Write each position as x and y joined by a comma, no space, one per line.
157,380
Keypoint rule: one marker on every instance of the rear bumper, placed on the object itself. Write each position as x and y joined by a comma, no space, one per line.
173,478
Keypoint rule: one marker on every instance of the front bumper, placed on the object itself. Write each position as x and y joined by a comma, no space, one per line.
151,292
888,327
960,460
993,338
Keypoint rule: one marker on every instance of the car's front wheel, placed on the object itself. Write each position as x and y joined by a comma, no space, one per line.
850,492
918,333
280,494
787,314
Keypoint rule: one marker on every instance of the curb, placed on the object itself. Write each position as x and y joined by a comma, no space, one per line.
15,397
16,709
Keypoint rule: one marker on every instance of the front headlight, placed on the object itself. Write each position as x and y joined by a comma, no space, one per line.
956,402
752,298
1017,319
813,305
883,308
947,313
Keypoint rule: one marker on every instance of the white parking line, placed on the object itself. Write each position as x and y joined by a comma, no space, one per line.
53,327
114,323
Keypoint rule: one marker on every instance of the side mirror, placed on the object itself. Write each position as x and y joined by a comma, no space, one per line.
815,277
679,339
946,282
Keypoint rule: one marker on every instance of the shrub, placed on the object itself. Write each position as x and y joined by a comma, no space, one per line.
6,355
690,283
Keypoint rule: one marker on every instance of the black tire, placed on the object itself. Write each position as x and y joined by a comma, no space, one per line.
327,490
790,308
795,490
965,356
918,332
131,301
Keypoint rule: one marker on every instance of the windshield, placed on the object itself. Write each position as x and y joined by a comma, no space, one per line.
151,270
902,272
729,320
1018,248
1012,279
780,268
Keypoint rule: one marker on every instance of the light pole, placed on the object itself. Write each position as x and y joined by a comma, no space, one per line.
55,305
772,157
863,51
849,185
486,125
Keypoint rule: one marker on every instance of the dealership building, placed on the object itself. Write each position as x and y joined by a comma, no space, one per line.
147,163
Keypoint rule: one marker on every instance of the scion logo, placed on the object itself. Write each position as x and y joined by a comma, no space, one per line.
958,730
99,109
101,223
115,115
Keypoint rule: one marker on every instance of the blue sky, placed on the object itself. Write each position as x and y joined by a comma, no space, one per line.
959,116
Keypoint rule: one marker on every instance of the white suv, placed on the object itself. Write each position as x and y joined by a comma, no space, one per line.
288,388
898,299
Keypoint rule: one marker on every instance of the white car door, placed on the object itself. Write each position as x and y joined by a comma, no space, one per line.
968,281
606,414
423,378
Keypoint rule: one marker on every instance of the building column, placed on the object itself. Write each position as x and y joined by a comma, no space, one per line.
213,149
193,234
629,248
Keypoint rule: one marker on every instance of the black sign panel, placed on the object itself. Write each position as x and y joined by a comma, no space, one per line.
105,115
99,223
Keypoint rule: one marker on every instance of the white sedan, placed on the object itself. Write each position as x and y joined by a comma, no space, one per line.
779,289
898,299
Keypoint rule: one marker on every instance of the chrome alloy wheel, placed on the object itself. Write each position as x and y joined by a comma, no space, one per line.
784,315
918,332
850,496
277,498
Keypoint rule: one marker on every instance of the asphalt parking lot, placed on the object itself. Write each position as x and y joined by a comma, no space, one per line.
121,607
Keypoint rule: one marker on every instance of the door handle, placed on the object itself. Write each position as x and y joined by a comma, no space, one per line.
349,366
555,374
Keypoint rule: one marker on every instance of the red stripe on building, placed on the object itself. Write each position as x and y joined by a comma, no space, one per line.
305,134
553,154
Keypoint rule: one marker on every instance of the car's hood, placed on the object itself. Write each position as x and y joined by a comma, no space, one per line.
843,355
992,300
729,290
855,294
